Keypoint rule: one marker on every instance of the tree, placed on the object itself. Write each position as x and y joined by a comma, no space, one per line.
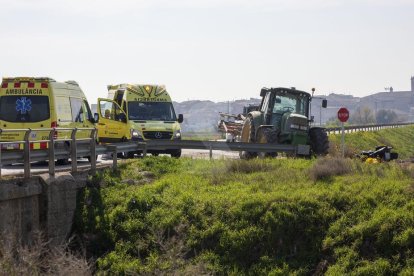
386,116
362,116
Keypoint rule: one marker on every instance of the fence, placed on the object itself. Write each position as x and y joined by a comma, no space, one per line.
74,148
26,156
87,147
350,129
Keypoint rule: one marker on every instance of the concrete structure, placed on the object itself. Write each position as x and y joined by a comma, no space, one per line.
412,84
19,209
41,203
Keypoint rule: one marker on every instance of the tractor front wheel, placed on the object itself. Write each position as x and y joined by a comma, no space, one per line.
319,141
267,136
248,136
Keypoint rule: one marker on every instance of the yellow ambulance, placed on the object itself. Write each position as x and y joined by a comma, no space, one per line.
36,103
138,112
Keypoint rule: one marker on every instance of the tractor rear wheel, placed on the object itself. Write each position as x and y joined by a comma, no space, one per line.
248,136
319,141
267,136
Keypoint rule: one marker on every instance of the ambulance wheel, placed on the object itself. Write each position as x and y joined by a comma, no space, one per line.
62,162
130,155
90,159
176,153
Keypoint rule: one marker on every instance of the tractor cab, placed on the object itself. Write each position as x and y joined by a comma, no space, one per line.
285,110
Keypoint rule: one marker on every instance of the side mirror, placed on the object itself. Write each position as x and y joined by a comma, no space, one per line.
263,92
324,103
312,119
180,118
95,118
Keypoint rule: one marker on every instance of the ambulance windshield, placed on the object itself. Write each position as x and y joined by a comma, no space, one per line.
151,111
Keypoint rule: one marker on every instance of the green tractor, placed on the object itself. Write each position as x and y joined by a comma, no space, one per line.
284,118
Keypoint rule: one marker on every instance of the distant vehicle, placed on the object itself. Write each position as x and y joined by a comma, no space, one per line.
284,118
136,112
36,103
250,108
231,124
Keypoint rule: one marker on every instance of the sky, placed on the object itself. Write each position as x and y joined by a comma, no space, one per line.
215,50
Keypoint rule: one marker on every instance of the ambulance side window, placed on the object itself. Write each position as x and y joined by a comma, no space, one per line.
87,111
111,111
63,110
77,110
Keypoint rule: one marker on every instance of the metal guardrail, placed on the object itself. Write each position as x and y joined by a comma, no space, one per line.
87,147
27,155
350,129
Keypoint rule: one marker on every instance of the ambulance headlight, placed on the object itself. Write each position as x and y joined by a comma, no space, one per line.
177,134
136,133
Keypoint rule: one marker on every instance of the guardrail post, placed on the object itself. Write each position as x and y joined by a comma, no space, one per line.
93,151
1,145
26,155
144,153
73,152
52,152
211,152
113,149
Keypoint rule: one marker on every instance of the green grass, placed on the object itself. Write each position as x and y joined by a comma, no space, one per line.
399,138
202,136
277,217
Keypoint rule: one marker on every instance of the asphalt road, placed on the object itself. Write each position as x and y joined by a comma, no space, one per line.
42,167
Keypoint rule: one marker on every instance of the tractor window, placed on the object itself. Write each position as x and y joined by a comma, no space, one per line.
290,103
265,103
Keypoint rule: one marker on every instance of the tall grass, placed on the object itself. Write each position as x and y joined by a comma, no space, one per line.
280,216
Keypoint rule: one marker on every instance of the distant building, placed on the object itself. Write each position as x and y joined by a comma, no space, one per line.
399,101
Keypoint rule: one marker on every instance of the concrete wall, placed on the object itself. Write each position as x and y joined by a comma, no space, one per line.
19,208
41,203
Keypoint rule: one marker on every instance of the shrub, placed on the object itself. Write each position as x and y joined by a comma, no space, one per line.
39,258
248,166
326,168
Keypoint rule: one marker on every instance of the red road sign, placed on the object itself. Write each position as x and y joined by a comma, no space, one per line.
343,114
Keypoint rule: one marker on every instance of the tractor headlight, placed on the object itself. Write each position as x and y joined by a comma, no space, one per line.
177,134
299,127
136,133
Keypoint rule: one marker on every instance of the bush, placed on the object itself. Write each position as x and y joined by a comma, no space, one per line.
248,166
326,168
39,259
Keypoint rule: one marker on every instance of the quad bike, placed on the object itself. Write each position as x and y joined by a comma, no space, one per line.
379,155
